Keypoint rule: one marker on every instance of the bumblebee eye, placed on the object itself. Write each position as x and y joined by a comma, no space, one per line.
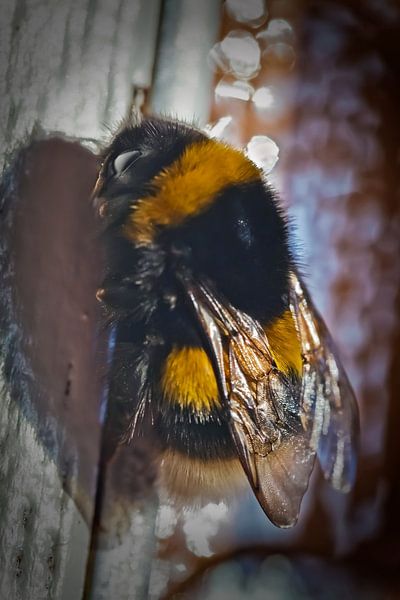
122,162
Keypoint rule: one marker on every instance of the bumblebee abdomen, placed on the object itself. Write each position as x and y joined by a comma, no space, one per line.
192,417
285,344
188,380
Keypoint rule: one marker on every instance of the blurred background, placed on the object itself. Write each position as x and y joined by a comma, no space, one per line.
311,91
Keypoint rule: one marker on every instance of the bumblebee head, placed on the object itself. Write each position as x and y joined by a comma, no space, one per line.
138,152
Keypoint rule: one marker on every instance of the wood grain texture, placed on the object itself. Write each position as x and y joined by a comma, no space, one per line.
43,537
71,65
51,354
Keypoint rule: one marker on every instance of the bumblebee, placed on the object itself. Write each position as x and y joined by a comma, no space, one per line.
219,343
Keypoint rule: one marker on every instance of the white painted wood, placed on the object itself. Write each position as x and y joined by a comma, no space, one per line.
71,65
183,79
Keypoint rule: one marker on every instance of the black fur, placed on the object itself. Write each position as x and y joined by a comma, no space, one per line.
240,244
203,436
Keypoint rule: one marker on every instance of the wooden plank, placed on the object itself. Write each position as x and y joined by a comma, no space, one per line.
71,66
183,79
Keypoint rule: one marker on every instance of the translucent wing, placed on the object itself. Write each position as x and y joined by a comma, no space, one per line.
328,404
264,405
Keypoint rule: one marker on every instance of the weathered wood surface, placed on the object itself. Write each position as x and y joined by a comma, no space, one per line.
49,423
71,65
